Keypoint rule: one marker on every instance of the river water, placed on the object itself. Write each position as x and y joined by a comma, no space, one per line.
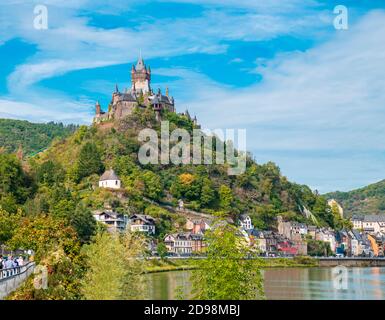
289,283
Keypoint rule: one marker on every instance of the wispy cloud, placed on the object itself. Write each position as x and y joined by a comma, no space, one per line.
328,98
308,105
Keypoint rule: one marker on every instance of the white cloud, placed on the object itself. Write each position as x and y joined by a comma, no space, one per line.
326,99
69,42
45,110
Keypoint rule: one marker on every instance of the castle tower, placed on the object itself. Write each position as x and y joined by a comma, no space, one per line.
98,109
140,77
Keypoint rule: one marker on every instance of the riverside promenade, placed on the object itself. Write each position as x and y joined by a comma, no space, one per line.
12,278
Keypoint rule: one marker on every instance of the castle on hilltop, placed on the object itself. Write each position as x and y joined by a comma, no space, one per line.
139,95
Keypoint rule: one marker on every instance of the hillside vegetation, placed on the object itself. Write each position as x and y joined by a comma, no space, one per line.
32,137
46,201
262,192
366,200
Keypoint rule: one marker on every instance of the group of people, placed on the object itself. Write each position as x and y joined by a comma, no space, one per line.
11,262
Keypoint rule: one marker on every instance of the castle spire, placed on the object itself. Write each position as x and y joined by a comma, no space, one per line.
98,108
140,64
167,91
116,88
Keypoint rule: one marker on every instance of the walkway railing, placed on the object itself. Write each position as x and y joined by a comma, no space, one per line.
10,272
12,278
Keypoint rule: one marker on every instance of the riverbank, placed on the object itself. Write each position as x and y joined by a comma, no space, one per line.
157,265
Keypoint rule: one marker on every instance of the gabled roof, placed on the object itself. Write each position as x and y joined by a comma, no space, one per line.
255,233
374,218
144,218
128,97
109,175
112,214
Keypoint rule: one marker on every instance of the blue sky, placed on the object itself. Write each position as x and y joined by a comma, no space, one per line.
311,97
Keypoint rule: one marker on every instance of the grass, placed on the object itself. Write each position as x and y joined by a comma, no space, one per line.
188,264
169,265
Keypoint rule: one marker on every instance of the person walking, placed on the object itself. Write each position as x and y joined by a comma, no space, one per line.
1,261
9,263
20,261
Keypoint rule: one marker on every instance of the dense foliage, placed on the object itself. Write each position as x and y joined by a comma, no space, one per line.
366,200
228,273
32,137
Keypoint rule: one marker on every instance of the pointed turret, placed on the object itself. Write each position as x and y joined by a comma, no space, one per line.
141,76
140,64
98,108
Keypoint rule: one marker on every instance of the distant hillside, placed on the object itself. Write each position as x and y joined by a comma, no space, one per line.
32,137
366,200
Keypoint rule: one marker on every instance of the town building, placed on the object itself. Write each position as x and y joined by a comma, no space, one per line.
197,226
369,223
184,243
142,223
245,222
115,222
292,230
255,239
342,242
311,231
110,180
326,235
357,222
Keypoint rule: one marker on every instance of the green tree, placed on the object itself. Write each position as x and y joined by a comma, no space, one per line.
152,185
207,193
115,268
8,225
225,274
89,161
103,279
49,173
161,249
318,248
13,179
84,223
225,197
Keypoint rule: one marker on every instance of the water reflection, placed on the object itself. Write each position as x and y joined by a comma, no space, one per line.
288,283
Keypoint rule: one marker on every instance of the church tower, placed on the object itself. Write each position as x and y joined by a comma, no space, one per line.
141,77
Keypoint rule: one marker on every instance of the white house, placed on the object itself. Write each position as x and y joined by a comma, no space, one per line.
115,222
369,223
142,223
245,222
109,180
179,243
357,222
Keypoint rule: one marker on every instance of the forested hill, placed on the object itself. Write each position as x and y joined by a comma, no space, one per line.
262,191
366,200
32,137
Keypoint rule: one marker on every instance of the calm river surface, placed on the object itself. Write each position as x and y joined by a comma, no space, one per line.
289,283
